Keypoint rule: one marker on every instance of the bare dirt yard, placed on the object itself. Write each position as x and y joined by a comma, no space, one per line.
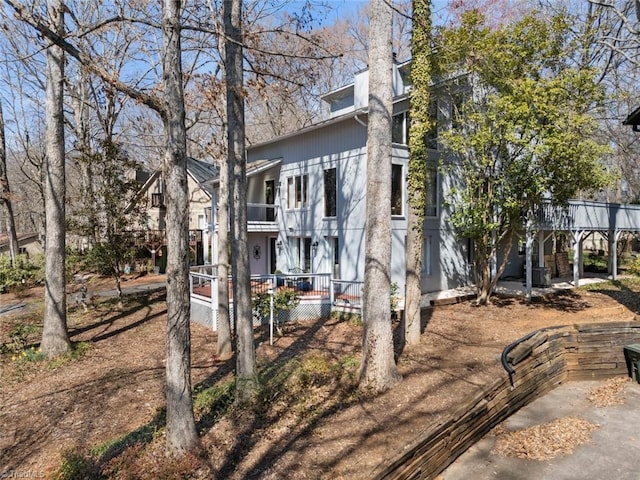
98,412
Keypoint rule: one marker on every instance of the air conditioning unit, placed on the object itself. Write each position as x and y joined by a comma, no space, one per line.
541,276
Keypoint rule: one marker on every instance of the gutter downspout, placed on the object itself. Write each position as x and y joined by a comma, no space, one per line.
357,119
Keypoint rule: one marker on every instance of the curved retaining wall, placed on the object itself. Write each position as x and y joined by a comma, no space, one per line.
541,363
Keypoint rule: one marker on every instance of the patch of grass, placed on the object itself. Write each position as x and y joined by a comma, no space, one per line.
214,401
623,283
297,382
76,466
595,262
19,338
29,355
78,351
351,318
143,435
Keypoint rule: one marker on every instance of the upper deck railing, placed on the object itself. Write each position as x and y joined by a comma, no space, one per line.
588,215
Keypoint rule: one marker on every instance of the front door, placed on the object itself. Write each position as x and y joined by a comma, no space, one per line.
272,255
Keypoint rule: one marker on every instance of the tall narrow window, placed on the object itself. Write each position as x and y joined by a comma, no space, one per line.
458,100
297,188
270,199
431,200
431,138
426,256
336,258
300,248
396,189
400,128
330,200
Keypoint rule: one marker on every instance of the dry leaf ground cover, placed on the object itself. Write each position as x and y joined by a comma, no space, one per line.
100,409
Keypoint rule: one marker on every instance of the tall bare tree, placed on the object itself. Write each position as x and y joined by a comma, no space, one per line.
5,194
225,338
55,339
181,429
181,432
246,376
378,369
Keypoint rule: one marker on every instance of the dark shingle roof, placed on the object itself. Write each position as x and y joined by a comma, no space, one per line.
202,172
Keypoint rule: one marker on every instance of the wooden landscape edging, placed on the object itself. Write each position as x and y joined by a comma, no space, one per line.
541,363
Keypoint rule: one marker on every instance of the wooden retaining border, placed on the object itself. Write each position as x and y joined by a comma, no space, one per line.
540,362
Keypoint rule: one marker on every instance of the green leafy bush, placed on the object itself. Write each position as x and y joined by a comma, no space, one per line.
19,338
26,272
634,266
284,299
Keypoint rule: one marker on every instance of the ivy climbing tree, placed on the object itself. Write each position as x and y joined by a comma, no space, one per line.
417,178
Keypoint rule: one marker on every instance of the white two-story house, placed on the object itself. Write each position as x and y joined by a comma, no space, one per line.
306,194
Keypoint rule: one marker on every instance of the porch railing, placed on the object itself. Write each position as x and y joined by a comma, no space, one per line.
262,212
346,293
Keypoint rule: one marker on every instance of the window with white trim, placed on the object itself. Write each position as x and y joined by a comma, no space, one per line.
297,191
300,249
431,194
330,192
396,190
400,128
426,256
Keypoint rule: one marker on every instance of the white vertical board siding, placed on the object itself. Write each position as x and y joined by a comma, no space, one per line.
342,144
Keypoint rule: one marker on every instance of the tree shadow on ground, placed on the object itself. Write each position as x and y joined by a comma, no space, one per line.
112,315
621,293
253,420
562,301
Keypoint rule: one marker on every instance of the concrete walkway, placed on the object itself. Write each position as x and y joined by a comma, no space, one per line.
612,453
151,284
515,288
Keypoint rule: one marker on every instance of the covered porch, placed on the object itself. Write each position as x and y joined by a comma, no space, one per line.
579,220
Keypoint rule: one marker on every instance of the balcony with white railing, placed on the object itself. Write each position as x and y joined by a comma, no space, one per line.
261,217
587,215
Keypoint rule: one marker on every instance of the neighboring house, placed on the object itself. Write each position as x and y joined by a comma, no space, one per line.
307,189
152,194
28,243
633,120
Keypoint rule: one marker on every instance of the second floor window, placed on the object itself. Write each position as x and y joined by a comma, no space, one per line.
297,191
400,128
396,190
431,204
157,200
431,138
330,194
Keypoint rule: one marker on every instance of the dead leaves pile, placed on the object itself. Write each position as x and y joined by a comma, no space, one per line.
546,441
561,436
608,394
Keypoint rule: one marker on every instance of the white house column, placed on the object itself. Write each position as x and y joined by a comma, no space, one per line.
529,260
614,237
577,256
212,227
541,241
206,237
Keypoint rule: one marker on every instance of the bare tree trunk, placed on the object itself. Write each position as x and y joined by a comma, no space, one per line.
81,114
225,339
181,429
5,195
246,376
55,339
378,369
417,179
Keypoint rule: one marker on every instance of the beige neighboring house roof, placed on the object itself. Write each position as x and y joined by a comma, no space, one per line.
28,241
201,172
